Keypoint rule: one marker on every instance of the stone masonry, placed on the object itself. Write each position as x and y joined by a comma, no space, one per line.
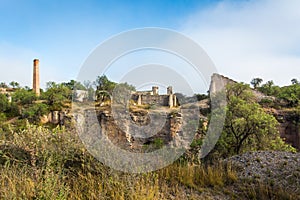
36,77
152,97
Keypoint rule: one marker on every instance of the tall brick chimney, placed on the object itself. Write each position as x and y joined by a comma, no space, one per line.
36,77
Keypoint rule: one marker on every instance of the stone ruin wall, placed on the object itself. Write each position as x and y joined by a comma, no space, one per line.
218,82
153,98
161,100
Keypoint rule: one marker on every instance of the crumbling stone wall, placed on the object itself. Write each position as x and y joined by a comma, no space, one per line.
218,82
161,100
153,98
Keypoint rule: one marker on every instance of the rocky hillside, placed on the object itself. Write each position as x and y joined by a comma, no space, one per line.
279,169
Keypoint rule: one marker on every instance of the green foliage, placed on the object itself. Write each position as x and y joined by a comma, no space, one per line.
56,95
35,111
279,144
74,85
200,97
13,110
3,85
247,125
103,83
2,118
269,89
14,84
291,94
9,109
23,96
295,81
158,143
196,143
267,103
239,90
4,104
105,88
256,82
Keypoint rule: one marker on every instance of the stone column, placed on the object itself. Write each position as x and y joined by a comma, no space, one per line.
155,90
139,102
169,90
36,77
174,100
170,100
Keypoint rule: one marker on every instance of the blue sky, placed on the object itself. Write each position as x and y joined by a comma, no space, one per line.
245,39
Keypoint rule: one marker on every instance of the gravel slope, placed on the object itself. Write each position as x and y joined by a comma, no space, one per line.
278,168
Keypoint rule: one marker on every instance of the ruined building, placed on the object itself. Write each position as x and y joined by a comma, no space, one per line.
153,98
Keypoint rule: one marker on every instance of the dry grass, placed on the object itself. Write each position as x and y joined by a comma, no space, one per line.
57,166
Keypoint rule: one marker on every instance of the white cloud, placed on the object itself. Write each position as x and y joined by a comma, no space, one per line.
250,38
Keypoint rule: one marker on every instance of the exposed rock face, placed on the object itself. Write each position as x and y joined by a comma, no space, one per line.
54,117
289,126
44,119
123,135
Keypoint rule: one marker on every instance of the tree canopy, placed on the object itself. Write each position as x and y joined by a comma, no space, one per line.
105,88
290,94
247,125
256,82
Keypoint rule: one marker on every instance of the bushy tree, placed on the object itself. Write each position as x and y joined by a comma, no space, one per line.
256,82
247,126
291,94
200,97
23,96
295,81
56,95
247,123
3,85
35,111
105,88
74,85
269,88
4,104
9,109
14,84
103,83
